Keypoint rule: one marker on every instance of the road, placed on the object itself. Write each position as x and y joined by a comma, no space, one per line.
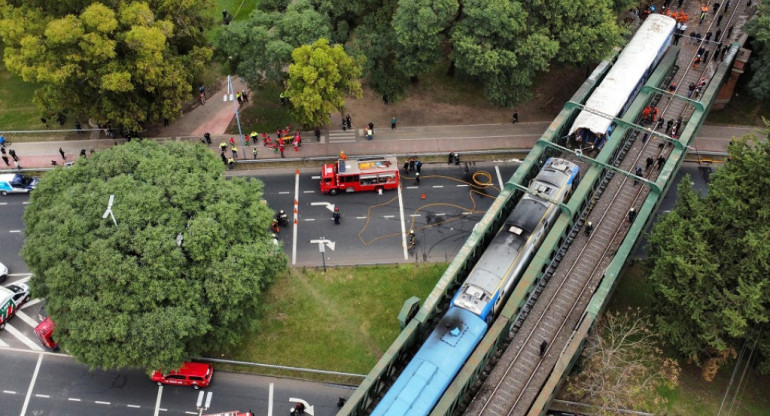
55,385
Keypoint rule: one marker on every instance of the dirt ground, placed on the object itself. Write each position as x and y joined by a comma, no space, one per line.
442,103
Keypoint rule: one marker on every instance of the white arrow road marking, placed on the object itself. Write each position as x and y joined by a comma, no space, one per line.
328,205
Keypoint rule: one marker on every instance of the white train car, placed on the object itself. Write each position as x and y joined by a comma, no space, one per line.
624,80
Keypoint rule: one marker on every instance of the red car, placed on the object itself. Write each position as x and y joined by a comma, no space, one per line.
196,375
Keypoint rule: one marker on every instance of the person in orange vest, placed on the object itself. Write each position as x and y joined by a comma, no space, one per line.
343,156
646,113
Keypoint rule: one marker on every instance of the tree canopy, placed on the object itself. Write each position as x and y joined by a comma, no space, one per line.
319,79
759,28
709,261
182,271
120,62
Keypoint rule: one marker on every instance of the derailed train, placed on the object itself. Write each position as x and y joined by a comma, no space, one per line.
482,295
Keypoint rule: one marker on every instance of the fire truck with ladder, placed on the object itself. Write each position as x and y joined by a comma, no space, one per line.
371,173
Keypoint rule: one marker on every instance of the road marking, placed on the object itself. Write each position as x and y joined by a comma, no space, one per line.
18,335
190,413
296,223
499,177
308,192
315,177
157,400
27,275
412,187
284,193
403,223
467,213
15,231
73,399
360,218
25,203
98,402
134,406
328,205
441,214
3,203
3,344
32,302
32,385
9,392
438,186
26,318
270,401
463,186
309,219
43,396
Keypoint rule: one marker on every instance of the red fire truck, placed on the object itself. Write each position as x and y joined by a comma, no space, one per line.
360,174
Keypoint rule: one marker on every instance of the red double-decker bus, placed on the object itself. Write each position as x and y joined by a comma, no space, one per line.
360,174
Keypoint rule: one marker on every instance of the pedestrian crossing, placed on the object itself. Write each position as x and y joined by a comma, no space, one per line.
342,136
19,331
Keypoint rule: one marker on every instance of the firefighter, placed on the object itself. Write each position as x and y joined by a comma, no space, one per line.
336,216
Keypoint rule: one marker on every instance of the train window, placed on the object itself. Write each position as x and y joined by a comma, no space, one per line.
544,268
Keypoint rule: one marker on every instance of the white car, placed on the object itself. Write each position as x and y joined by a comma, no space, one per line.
20,293
3,272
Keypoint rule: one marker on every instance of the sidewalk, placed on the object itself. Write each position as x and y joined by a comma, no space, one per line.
401,141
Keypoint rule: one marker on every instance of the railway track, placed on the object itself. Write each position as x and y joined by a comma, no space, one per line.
515,381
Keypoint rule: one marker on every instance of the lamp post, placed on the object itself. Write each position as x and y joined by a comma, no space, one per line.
109,210
237,116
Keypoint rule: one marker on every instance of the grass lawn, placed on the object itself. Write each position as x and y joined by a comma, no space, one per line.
341,320
743,109
265,113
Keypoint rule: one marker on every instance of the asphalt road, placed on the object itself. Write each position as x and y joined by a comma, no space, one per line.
55,385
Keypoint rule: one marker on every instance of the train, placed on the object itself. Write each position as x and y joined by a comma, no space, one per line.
482,295
623,82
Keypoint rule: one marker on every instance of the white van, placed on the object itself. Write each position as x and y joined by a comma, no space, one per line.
14,183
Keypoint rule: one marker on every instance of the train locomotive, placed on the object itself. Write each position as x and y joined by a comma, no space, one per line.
482,294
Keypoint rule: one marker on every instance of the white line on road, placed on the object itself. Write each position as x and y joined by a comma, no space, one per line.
270,401
32,302
284,193
403,224
43,396
190,413
99,402
134,406
157,400
416,215
31,385
412,187
9,392
360,218
73,399
296,223
26,318
499,177
309,219
3,203
308,192
438,186
441,214
21,337
462,185
14,231
389,216
315,177
25,203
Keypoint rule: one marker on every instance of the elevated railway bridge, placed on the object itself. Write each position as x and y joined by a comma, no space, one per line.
573,274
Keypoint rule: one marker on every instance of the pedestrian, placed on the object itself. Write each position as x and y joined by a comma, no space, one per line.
235,151
661,162
254,151
281,147
418,165
2,149
16,164
661,121
411,164
716,8
649,162
672,88
343,156
718,35
645,137
44,121
729,32
515,117
709,34
61,152
638,173
679,4
417,178
295,142
719,19
254,137
231,163
82,152
224,158
5,159
202,90
245,96
223,146
706,56
678,123
349,121
239,98
631,215
669,125
232,141
369,134
317,134
589,228
78,127
371,126
543,347
165,122
207,137
13,154
385,99
696,62
336,216
393,123
406,167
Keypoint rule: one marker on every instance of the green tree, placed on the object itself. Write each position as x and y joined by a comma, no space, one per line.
494,44
710,261
123,62
259,49
319,78
759,28
182,271
418,25
623,366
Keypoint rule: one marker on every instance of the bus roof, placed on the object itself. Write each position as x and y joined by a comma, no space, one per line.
367,164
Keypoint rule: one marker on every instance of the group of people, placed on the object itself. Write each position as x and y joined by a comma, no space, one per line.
585,139
8,154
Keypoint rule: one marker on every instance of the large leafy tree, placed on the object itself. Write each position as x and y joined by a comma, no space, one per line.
259,49
493,43
759,28
319,78
120,62
181,272
710,263
418,25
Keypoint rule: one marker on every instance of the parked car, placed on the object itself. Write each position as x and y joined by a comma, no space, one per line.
3,273
15,183
44,331
196,375
11,299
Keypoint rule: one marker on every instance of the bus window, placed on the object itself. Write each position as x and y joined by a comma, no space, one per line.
387,178
368,179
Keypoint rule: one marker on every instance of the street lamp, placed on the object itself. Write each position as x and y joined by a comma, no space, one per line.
109,210
237,117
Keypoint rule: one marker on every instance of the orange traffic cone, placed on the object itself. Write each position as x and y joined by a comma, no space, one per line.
422,196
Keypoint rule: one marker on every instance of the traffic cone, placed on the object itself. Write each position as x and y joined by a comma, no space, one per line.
422,196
